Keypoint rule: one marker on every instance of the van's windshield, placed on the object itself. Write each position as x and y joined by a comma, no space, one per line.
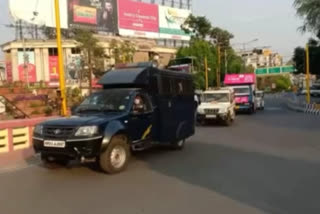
242,90
216,97
108,100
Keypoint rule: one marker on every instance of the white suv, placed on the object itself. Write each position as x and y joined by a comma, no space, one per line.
217,105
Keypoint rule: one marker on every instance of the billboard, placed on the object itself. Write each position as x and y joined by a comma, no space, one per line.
98,15
138,19
38,12
53,71
170,21
238,79
27,71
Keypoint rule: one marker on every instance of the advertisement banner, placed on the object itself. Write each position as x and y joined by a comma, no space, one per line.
53,71
138,19
98,15
41,13
8,62
170,21
27,71
238,79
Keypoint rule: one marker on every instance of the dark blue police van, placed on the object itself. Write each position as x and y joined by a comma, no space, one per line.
139,107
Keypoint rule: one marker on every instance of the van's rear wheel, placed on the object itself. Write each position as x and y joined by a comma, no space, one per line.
116,157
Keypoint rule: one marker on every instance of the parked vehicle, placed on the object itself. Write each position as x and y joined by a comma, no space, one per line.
260,100
314,92
218,105
244,89
139,107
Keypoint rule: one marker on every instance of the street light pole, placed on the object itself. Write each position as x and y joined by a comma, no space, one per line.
60,60
308,73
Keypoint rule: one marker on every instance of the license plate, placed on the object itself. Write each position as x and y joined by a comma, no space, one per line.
237,107
54,144
211,116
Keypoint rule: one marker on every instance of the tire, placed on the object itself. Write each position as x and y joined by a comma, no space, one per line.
178,145
116,157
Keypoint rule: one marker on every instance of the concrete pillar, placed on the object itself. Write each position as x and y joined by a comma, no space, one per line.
38,64
45,60
14,60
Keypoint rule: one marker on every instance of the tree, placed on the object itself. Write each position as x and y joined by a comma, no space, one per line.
204,42
93,52
299,59
314,53
221,37
199,26
122,52
199,49
283,83
309,10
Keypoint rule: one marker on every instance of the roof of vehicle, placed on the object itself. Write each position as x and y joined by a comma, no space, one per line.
136,74
219,90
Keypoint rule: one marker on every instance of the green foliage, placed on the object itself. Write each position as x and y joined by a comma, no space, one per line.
299,59
74,96
221,37
283,83
122,52
48,111
199,49
314,53
35,112
309,10
198,26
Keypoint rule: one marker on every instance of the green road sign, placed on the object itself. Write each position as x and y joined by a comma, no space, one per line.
289,69
275,70
260,71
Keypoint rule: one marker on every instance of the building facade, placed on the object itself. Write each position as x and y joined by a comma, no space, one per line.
34,61
261,58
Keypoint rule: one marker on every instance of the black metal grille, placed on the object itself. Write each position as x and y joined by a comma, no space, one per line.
211,111
58,132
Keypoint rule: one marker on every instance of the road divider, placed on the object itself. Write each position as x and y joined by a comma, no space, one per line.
16,140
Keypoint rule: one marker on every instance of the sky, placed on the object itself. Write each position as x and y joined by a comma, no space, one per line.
273,22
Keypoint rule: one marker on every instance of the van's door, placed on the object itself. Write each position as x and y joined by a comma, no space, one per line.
140,122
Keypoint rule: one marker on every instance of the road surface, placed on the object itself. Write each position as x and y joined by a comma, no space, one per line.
264,163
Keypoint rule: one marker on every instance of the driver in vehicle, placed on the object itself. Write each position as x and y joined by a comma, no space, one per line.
138,106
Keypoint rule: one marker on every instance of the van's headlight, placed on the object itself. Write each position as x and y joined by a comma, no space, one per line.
38,130
87,131
223,111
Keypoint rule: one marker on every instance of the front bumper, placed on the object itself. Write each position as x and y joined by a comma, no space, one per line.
242,107
74,148
201,117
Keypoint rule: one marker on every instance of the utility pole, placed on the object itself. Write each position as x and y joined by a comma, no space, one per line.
225,61
218,67
308,74
60,61
206,72
90,71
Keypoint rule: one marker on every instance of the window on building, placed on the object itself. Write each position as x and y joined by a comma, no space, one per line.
75,51
53,51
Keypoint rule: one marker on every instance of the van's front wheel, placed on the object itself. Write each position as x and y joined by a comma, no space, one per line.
116,157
